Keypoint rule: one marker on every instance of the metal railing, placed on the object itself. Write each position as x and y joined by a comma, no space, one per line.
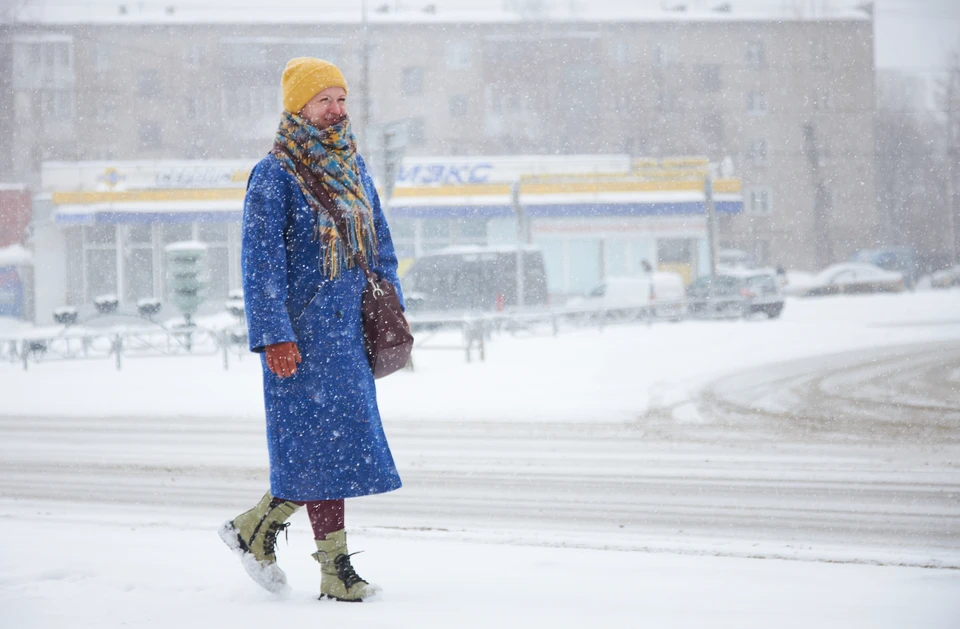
431,331
122,342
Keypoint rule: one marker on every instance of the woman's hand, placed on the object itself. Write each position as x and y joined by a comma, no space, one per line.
283,358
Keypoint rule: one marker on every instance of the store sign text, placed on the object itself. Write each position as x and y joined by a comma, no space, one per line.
443,174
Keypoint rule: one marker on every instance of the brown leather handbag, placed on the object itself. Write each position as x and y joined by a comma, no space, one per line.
386,332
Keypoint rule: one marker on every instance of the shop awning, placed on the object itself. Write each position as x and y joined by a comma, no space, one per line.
582,199
132,212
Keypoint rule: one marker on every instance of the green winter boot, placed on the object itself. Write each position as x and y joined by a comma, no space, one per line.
252,536
339,580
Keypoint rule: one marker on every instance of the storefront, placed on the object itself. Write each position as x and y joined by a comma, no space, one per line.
107,226
593,216
101,228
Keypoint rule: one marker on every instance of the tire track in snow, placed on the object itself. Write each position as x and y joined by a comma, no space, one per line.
592,486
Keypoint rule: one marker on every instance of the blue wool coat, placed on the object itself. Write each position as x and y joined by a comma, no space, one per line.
323,427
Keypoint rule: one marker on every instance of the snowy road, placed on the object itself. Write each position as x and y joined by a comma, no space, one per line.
889,395
844,458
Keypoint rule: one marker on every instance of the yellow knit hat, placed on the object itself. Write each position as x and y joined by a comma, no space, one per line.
304,78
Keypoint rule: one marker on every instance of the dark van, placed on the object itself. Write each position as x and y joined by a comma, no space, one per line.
474,279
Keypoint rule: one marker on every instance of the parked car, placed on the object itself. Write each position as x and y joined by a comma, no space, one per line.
945,278
855,278
659,293
474,279
796,283
736,293
902,260
735,259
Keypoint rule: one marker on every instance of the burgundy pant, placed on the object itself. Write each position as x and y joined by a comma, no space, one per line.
326,516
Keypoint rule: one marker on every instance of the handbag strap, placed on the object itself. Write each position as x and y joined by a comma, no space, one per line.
320,193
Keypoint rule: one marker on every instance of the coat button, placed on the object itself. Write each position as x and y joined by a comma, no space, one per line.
339,314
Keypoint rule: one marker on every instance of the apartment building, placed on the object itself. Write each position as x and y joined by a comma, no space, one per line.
787,102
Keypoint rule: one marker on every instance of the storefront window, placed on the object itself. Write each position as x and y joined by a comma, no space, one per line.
553,264
472,230
402,229
212,232
584,259
435,229
74,245
138,273
673,250
100,267
139,234
176,232
679,256
618,258
99,234
218,272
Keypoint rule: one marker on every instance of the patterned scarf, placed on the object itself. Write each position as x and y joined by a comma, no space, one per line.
331,154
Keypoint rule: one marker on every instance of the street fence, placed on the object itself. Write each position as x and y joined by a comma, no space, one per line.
467,332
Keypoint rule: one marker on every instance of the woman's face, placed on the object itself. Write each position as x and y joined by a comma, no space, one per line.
326,108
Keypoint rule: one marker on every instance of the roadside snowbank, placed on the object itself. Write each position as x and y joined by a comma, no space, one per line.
613,375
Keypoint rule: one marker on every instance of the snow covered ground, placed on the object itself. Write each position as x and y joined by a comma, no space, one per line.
614,375
696,474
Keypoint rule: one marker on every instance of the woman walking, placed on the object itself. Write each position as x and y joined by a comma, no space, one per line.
302,295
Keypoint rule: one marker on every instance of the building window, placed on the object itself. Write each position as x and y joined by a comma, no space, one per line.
709,77
756,54
62,54
458,55
150,135
822,98
35,55
102,59
711,127
492,93
194,54
757,153
668,100
416,134
758,200
57,105
619,52
412,81
105,111
49,54
665,55
245,100
458,106
148,83
756,102
203,106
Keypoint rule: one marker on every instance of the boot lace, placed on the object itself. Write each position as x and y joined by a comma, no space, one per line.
270,537
345,571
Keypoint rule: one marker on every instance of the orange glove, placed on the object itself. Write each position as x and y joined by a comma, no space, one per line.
283,358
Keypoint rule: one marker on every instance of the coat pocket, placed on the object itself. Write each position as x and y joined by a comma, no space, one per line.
309,303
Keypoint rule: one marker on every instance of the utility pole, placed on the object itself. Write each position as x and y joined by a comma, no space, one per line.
522,240
823,244
953,96
711,223
365,76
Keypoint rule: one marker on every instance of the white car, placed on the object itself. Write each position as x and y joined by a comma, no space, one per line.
660,293
946,278
855,278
